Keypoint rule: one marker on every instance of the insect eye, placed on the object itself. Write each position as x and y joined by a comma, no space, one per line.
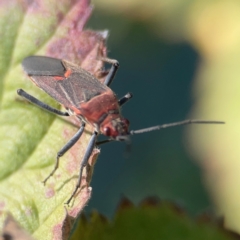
125,121
107,131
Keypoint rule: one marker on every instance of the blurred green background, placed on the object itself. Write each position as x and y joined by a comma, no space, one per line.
180,59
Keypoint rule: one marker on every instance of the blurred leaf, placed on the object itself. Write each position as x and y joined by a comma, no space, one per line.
151,220
212,28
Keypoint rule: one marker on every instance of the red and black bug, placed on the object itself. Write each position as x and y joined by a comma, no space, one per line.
91,101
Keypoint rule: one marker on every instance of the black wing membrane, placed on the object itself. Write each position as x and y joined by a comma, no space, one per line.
79,86
43,66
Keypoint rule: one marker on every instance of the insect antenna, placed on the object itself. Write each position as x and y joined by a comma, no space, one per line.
167,125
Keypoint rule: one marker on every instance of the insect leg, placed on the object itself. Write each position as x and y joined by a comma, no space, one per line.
39,103
115,65
65,148
104,141
125,99
84,162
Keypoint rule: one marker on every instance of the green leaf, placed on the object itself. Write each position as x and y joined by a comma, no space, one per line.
30,137
151,220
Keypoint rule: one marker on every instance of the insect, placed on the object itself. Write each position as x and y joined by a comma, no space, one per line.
84,96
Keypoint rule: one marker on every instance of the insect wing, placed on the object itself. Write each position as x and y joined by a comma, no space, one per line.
43,66
76,86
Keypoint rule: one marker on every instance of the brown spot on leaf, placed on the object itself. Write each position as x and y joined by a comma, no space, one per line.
82,47
2,205
49,192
